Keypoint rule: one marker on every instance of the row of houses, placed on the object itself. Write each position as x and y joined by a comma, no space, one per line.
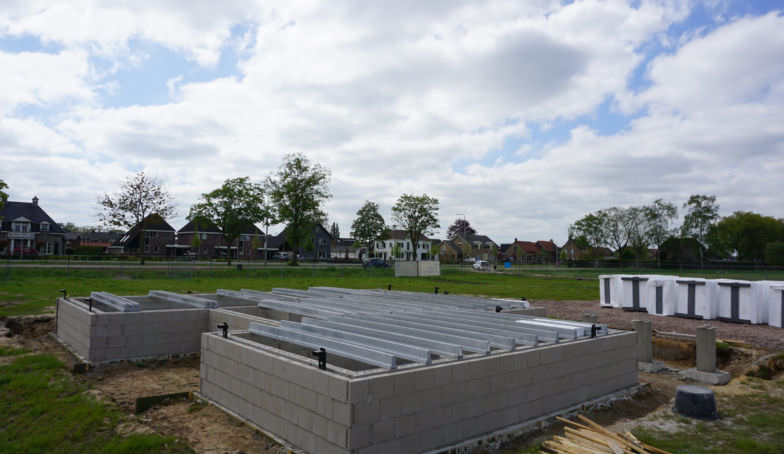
26,228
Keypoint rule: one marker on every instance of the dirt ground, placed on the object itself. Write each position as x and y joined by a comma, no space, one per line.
760,336
207,429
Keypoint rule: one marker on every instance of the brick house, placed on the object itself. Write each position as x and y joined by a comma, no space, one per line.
25,228
530,252
153,236
321,242
478,247
205,240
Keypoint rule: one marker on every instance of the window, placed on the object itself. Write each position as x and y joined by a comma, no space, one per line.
44,226
245,237
155,249
146,248
21,227
322,241
203,236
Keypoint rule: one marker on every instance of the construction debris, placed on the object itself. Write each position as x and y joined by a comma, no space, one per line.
590,438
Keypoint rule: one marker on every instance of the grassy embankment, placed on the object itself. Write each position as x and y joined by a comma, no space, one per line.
42,409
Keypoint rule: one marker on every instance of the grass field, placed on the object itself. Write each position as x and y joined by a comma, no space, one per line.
33,290
42,409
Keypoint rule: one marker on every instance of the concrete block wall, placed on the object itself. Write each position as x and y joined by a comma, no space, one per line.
236,320
128,335
107,336
437,407
292,400
412,410
73,326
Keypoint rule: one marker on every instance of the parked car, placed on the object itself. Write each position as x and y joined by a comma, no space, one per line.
481,265
375,263
281,256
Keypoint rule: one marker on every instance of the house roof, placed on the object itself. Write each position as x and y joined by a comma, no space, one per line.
528,246
151,222
403,235
548,246
203,226
30,211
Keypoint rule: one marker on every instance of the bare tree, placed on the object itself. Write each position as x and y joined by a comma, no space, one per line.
138,198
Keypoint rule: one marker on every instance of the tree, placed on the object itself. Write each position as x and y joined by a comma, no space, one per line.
658,217
297,190
589,230
334,230
368,226
196,240
418,215
3,195
702,213
746,233
138,198
235,206
460,227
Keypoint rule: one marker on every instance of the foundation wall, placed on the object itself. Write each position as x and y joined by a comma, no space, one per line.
235,320
418,410
73,327
108,336
292,400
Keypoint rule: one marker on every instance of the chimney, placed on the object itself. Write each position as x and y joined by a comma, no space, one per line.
35,200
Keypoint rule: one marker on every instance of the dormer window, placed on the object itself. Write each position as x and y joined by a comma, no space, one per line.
44,226
20,227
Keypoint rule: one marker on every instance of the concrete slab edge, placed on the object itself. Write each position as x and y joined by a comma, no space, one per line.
495,439
719,377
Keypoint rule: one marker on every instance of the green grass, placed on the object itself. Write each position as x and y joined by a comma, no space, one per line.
43,410
750,423
30,291
12,351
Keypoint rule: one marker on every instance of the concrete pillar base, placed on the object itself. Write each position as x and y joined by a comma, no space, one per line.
653,367
718,377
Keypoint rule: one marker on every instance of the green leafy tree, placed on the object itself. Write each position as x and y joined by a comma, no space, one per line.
139,197
298,189
746,233
334,230
702,213
418,215
658,219
774,253
3,194
196,241
368,226
233,207
397,251
590,232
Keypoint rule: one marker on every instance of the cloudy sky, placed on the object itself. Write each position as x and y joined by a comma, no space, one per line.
520,115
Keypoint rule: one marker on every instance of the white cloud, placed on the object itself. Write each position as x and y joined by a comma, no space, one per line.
417,97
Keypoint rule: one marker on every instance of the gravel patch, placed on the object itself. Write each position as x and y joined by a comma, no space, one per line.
759,336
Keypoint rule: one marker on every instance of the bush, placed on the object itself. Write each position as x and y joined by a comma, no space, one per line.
774,253
88,250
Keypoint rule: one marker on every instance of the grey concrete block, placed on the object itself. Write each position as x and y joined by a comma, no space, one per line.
404,383
340,413
325,447
717,377
358,391
383,430
706,349
382,387
338,388
405,425
359,436
336,434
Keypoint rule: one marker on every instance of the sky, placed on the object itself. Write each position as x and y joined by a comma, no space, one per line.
520,116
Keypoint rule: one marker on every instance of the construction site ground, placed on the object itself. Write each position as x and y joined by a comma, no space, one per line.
207,429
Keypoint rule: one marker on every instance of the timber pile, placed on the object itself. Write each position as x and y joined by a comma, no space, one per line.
591,438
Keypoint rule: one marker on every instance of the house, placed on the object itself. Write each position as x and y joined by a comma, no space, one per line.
530,252
449,251
478,247
398,246
153,236
549,251
320,244
204,239
92,239
578,250
26,228
346,249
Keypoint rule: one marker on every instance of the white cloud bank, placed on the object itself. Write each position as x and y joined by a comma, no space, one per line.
414,98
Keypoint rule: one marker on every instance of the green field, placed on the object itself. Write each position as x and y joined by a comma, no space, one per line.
33,290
